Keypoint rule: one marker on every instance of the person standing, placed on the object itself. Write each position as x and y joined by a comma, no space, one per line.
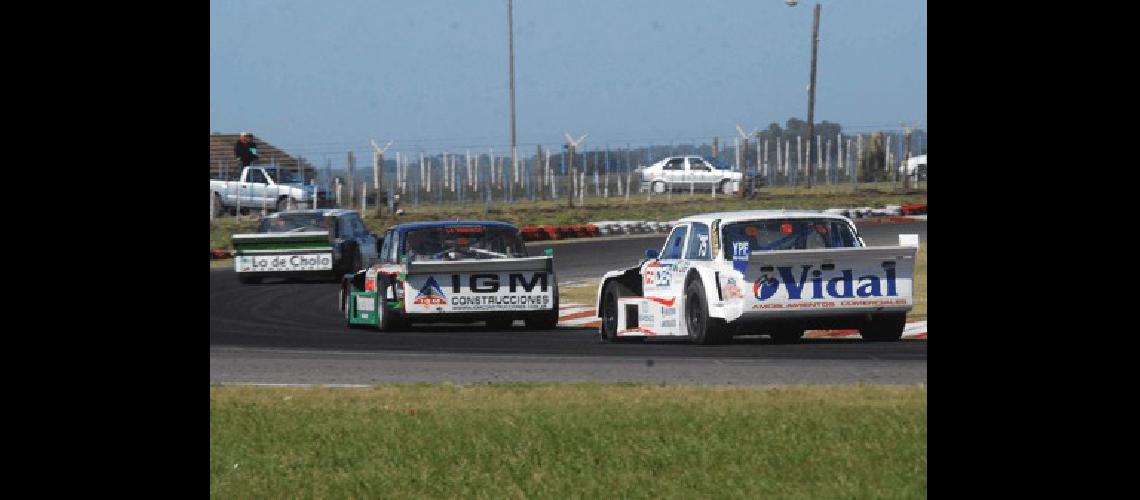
245,150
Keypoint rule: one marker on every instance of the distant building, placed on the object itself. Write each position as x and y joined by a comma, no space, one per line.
223,165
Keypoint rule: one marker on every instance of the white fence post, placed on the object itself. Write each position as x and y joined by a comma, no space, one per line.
363,199
212,204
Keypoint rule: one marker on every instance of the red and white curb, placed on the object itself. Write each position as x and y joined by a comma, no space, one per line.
580,316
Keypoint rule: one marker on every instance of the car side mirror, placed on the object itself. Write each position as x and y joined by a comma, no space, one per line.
651,253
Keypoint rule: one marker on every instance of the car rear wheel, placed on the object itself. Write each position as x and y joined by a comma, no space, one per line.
884,328
546,320
500,323
703,329
344,304
786,335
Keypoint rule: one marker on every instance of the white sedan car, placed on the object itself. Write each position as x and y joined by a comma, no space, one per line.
683,173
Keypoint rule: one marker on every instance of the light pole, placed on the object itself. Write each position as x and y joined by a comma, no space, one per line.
511,46
811,87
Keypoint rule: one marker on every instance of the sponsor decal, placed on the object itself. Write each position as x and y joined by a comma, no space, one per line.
668,311
478,292
299,262
740,256
671,323
842,286
430,295
666,303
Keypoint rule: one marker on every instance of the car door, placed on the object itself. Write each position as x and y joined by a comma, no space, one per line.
674,171
700,173
252,191
364,240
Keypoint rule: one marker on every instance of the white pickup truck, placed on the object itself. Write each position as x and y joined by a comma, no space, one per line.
772,272
686,173
273,188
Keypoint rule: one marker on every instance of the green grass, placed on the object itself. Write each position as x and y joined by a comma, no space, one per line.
568,441
660,207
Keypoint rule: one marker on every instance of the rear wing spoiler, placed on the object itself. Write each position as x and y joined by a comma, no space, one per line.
543,263
298,237
907,249
278,242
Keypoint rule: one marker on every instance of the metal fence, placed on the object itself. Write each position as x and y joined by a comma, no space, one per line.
415,179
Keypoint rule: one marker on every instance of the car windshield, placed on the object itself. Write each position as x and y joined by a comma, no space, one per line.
284,176
464,242
292,223
788,234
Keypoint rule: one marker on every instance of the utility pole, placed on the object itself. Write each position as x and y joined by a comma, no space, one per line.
378,172
906,158
744,159
511,45
811,88
351,180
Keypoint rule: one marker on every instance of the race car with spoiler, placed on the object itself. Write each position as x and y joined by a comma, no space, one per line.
454,272
763,272
324,243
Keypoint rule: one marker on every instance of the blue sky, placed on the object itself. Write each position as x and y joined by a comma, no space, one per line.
320,78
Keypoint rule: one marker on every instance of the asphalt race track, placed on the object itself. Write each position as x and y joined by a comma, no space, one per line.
292,333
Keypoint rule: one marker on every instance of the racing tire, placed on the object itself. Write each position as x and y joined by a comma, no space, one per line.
884,328
390,320
344,295
500,323
249,280
659,187
607,330
546,320
786,335
703,330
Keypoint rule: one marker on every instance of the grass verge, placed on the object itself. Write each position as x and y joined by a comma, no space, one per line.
568,440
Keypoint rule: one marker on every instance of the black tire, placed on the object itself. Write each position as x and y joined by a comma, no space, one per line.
249,280
884,328
219,208
500,323
703,330
344,295
390,319
283,204
607,331
351,261
610,294
724,186
546,320
786,335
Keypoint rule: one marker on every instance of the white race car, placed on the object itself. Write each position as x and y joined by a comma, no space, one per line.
770,272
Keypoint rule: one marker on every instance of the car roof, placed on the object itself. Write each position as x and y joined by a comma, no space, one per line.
742,215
